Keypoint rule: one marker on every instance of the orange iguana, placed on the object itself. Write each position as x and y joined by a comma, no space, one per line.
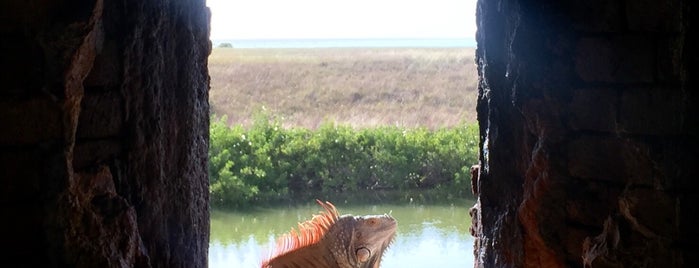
333,241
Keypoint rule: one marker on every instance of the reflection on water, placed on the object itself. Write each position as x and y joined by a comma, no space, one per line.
428,236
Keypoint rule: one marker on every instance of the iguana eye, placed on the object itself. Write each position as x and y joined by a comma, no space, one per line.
373,222
363,254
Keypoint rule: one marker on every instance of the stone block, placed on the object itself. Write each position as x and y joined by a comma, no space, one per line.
91,152
106,68
572,244
30,122
646,211
614,160
652,111
588,202
676,165
654,16
27,66
627,59
597,16
669,58
20,176
101,115
688,220
593,109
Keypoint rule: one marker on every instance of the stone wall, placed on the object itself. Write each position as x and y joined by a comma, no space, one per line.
104,133
589,133
587,113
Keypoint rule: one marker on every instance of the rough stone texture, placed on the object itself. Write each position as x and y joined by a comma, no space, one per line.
104,133
589,134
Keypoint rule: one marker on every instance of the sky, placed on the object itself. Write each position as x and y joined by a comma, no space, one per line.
341,19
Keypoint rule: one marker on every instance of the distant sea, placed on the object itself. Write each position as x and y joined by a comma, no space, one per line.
321,43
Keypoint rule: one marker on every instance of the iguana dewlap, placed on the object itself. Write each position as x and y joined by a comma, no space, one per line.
333,241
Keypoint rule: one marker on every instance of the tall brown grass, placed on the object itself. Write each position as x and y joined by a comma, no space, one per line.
361,87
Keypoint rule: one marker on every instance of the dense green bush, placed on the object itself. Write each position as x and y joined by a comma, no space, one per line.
267,163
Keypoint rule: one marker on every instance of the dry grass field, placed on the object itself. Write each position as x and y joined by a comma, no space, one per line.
362,87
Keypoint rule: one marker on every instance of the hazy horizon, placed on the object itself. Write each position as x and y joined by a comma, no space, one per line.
326,19
345,42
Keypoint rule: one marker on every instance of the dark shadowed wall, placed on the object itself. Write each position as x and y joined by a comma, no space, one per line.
587,112
588,116
104,133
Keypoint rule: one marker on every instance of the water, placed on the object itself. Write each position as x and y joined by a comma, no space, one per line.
320,43
427,236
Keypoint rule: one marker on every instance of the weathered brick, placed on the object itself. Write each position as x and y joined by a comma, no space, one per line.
669,58
654,16
593,109
597,16
588,202
21,120
652,111
95,151
646,211
105,70
615,160
688,211
674,155
20,191
615,60
101,115
26,64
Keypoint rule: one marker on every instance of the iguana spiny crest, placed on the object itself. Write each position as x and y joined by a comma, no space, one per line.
334,241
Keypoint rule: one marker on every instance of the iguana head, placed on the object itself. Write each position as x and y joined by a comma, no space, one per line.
358,241
330,240
362,240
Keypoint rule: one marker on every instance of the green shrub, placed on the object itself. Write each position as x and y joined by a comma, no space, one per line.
268,163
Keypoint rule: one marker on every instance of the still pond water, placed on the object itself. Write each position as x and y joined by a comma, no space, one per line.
427,236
